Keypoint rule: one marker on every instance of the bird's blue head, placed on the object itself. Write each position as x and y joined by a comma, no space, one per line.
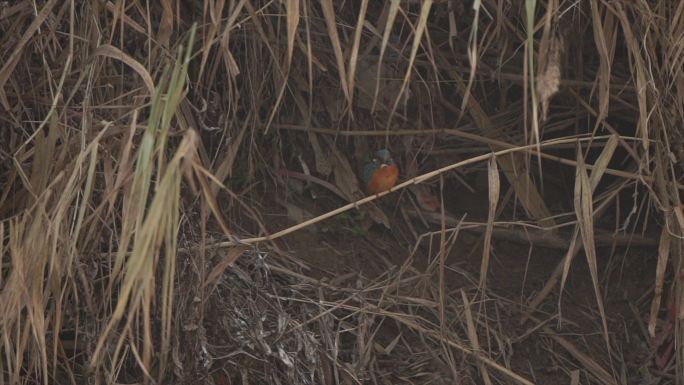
381,158
384,156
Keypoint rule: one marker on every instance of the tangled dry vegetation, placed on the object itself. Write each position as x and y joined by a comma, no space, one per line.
179,200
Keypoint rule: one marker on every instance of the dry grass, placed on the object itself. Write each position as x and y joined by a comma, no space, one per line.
142,143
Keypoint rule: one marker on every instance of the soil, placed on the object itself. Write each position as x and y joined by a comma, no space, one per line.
516,273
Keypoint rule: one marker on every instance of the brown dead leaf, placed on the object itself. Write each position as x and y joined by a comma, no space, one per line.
330,21
549,79
115,53
165,24
663,254
323,165
367,79
344,175
218,270
584,211
292,7
494,189
295,213
377,215
426,199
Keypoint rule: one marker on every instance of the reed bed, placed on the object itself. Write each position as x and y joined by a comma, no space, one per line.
159,159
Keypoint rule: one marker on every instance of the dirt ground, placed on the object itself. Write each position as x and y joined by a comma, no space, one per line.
345,245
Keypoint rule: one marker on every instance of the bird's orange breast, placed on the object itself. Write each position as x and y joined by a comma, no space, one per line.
383,179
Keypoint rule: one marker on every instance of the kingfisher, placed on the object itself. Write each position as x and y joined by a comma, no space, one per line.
381,173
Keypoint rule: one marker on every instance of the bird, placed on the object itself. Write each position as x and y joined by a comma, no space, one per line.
381,173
